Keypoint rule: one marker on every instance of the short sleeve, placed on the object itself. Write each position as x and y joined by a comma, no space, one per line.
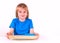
31,24
12,25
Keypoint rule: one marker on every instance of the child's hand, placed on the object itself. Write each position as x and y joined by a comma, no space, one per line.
8,34
37,35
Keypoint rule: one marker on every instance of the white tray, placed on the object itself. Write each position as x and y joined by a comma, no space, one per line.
22,37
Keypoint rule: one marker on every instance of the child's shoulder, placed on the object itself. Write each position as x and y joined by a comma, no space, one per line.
29,19
15,19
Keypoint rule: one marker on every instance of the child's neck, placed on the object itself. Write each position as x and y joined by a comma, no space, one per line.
22,20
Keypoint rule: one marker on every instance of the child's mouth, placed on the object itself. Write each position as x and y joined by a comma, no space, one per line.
23,16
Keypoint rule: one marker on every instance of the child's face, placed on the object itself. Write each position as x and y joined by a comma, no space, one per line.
22,13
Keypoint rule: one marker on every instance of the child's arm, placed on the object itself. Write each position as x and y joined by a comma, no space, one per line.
11,31
32,32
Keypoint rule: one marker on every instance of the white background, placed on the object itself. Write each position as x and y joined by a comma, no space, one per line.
44,13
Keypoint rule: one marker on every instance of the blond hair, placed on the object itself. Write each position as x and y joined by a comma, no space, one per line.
22,5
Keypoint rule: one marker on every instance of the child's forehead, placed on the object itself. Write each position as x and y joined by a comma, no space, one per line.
20,8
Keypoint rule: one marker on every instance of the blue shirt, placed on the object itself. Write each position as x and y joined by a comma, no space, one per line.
21,28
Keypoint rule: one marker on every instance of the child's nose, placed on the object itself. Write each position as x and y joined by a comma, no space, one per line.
22,13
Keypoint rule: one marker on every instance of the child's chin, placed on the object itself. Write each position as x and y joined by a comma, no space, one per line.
22,17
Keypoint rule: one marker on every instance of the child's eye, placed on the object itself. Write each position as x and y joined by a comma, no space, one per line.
24,11
19,11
